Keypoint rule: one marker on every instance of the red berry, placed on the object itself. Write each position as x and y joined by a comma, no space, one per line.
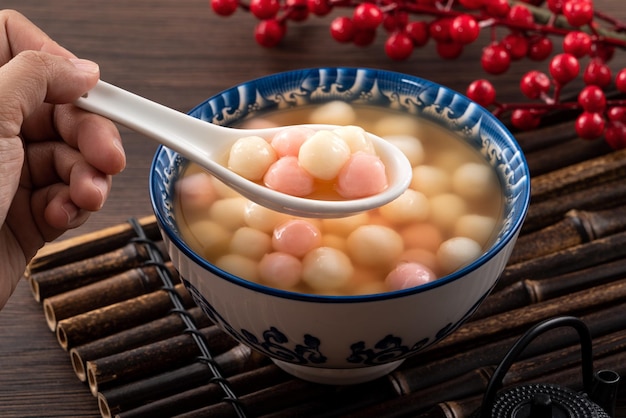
617,114
482,92
556,6
367,16
540,48
577,43
364,37
418,32
603,52
396,21
615,134
592,99
472,4
464,29
398,46
224,7
319,7
264,9
519,14
589,125
564,68
620,80
297,10
534,84
497,8
578,12
516,44
342,29
524,119
439,30
597,73
449,49
495,59
269,33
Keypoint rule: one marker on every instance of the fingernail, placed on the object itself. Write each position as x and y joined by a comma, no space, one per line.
71,211
118,144
103,187
85,65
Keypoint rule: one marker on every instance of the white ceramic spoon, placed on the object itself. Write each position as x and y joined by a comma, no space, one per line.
206,144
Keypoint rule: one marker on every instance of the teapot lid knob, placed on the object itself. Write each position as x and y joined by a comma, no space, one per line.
544,400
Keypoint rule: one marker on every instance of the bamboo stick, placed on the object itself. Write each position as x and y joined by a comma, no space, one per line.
527,292
599,197
462,408
102,322
421,371
147,333
153,358
510,322
123,286
567,260
91,244
47,283
564,154
577,227
579,176
152,400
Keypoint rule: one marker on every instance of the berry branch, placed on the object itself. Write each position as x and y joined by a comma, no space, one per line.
516,30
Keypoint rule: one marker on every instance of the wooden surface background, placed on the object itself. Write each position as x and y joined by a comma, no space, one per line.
177,52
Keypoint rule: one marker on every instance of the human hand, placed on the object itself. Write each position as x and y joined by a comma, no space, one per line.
56,161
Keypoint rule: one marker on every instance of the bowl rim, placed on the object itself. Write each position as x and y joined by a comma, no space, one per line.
487,255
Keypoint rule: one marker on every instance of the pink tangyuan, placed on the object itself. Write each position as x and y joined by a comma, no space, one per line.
289,140
280,269
296,237
287,176
363,175
407,275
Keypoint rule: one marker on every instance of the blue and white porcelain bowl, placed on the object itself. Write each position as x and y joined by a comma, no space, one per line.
346,339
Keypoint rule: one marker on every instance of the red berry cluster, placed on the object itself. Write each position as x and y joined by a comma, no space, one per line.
454,24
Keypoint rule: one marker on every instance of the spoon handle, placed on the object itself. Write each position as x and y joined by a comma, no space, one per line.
176,130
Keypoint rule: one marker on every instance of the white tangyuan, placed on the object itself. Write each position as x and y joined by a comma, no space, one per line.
334,113
324,154
480,228
410,206
250,157
325,269
397,125
262,218
445,209
212,237
229,212
457,252
375,245
474,180
430,180
250,242
356,138
239,266
410,146
345,225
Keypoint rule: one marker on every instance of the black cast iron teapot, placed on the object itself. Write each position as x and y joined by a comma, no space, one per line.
597,400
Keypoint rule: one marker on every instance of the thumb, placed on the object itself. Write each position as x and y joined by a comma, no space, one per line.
33,77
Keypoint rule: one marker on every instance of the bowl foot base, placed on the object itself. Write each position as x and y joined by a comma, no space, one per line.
338,376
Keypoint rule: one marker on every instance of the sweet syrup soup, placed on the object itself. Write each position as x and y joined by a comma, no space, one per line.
446,219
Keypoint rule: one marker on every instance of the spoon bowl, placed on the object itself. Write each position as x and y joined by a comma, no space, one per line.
206,143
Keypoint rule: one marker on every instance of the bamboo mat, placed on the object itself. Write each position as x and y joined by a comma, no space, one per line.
143,349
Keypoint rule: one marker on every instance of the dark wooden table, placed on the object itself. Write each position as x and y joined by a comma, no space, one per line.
177,53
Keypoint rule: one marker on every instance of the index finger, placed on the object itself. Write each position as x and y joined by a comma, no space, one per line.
20,34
